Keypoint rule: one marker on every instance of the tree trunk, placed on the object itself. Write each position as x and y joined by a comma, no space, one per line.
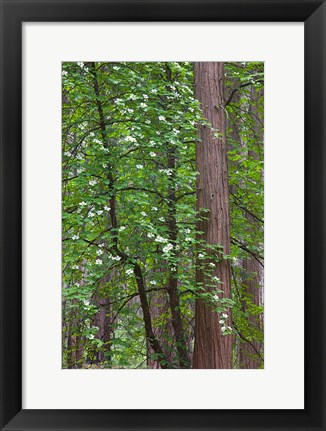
159,305
212,349
249,354
150,335
172,287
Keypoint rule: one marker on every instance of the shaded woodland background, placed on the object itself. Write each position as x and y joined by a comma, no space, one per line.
162,194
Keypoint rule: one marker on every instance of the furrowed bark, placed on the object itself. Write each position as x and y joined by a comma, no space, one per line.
212,349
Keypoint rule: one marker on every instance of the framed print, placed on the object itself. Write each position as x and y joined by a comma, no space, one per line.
162,147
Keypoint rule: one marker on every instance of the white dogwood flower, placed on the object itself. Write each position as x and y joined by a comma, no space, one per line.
161,239
167,248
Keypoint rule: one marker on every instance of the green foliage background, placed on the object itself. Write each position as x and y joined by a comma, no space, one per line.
120,124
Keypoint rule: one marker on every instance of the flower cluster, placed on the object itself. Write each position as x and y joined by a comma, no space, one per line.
225,329
130,139
214,278
167,248
117,258
161,239
166,171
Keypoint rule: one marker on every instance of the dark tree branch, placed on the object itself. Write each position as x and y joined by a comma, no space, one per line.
130,297
236,202
142,189
249,342
252,253
238,88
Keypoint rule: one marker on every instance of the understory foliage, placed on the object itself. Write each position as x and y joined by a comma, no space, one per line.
129,234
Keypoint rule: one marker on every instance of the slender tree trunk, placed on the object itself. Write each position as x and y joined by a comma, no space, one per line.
150,336
212,349
172,287
75,350
102,320
153,341
159,305
248,356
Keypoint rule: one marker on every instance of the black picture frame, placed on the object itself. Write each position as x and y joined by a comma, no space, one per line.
13,14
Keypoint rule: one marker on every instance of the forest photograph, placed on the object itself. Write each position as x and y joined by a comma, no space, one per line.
162,215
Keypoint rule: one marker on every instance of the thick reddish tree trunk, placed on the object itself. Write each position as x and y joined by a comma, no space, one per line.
212,349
